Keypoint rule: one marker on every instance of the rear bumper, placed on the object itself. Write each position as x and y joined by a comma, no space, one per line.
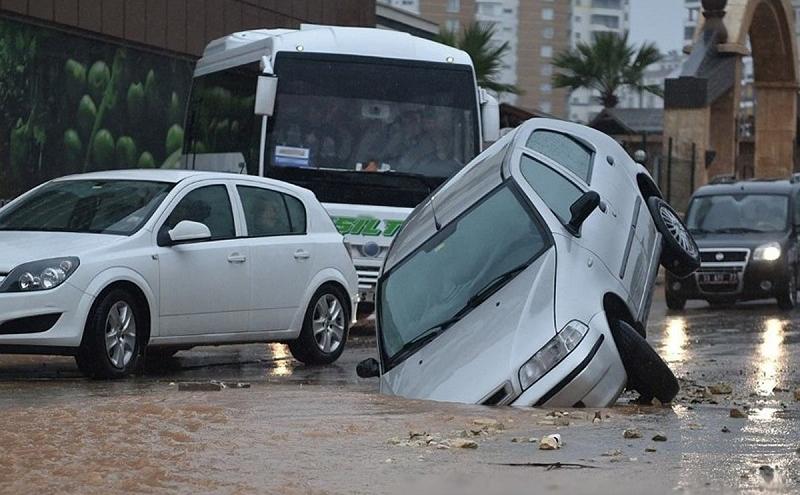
592,375
27,333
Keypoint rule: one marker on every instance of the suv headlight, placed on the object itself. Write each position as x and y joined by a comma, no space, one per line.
767,252
39,275
552,353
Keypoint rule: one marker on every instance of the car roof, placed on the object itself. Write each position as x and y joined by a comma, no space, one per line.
175,176
757,186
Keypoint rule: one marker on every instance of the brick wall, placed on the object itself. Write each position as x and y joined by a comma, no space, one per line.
186,26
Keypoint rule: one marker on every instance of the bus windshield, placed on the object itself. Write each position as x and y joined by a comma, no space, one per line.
337,118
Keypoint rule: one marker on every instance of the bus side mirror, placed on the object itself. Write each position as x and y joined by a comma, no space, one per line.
266,91
490,117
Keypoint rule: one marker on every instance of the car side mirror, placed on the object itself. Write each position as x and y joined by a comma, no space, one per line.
368,368
187,230
580,211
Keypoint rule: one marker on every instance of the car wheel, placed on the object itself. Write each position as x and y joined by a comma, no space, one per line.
647,373
110,347
325,328
788,299
674,301
680,255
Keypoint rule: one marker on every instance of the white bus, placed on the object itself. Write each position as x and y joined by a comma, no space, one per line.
372,121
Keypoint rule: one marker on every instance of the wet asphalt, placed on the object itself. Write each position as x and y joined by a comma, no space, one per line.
323,430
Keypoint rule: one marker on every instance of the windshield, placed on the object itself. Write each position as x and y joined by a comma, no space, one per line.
498,236
736,213
118,207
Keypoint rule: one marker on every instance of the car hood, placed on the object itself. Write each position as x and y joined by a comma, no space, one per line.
744,241
483,351
21,247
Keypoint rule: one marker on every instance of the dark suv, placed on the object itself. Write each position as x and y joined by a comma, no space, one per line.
747,232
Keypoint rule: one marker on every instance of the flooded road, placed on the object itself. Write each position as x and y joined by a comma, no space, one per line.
323,430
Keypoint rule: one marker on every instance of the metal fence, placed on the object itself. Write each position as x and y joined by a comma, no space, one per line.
675,173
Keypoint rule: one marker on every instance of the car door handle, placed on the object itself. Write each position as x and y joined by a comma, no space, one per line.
237,258
301,254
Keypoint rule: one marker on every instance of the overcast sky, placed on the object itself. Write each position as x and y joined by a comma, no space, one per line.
658,20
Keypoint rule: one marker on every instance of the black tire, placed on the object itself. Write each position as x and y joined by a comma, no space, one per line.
680,255
674,301
647,373
787,300
331,326
93,358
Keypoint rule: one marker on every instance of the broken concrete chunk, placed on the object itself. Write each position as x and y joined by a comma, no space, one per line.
463,443
725,429
417,434
720,389
632,433
650,449
738,414
550,442
612,453
200,386
797,394
660,437
394,441
597,417
488,423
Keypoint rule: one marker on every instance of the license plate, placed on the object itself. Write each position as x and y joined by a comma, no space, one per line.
719,278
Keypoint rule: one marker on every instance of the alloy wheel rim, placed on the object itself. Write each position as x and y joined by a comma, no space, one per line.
328,323
678,231
120,334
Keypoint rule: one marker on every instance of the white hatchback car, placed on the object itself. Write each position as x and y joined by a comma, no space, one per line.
108,265
527,278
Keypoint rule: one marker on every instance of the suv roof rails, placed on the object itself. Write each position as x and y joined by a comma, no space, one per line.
723,179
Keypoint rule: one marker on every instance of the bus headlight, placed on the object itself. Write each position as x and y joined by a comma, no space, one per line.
767,252
552,353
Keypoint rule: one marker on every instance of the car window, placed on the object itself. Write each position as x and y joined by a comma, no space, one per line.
564,150
208,205
270,213
555,189
498,234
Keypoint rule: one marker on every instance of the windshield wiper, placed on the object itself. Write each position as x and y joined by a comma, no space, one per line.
495,285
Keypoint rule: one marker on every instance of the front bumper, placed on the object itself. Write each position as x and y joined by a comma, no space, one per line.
61,337
755,280
591,376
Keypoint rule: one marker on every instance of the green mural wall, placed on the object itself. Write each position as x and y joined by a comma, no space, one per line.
70,104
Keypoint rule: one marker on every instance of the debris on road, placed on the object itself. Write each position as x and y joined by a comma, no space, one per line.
632,433
550,442
650,449
200,386
598,418
487,423
767,472
463,443
612,453
797,394
720,389
660,437
738,414
725,429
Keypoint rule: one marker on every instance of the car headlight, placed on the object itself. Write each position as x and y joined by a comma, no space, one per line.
767,252
39,275
552,353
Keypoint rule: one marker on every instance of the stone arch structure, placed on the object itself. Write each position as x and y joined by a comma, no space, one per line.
701,106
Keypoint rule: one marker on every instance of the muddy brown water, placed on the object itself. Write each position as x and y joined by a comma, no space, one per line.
323,430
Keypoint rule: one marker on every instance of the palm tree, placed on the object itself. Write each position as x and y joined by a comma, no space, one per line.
606,65
487,57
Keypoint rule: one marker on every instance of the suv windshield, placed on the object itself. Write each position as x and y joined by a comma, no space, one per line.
738,213
456,270
118,207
